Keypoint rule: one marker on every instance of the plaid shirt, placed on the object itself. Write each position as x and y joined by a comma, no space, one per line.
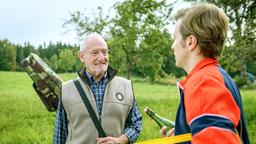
133,125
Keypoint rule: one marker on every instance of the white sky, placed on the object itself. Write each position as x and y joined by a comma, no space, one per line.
39,21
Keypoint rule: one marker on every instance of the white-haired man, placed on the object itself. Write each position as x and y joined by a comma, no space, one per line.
111,97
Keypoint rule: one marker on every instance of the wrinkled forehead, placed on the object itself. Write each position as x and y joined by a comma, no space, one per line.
93,42
96,43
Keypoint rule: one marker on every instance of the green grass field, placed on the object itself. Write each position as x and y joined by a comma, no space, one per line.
25,120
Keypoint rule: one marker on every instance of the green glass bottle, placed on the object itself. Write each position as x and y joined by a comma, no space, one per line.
161,121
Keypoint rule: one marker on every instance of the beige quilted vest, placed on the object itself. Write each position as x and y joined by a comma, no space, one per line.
117,103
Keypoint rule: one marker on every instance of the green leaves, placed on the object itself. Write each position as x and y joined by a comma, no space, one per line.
7,55
67,60
138,26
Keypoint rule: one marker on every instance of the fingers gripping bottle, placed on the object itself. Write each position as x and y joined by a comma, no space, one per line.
161,121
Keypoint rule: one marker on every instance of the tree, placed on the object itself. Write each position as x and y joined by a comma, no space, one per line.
41,51
152,51
7,55
54,62
66,60
19,56
116,55
133,22
82,24
27,49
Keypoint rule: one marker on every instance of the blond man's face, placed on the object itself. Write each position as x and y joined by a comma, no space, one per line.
179,48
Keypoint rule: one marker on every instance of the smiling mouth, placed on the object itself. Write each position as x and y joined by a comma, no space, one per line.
100,64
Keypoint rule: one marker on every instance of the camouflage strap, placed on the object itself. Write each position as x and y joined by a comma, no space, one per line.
46,82
90,109
51,101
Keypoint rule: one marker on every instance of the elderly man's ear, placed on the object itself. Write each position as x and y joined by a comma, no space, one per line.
80,55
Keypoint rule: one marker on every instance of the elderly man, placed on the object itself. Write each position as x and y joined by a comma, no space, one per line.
110,96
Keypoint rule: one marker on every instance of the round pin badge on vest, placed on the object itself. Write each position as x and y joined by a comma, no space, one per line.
119,96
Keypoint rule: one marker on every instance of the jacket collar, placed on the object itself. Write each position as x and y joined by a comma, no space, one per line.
111,73
200,65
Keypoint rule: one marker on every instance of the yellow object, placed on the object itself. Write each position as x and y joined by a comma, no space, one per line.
169,140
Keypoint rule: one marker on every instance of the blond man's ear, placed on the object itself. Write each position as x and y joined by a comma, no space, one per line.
191,42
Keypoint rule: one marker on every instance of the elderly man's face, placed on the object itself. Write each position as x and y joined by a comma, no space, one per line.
95,56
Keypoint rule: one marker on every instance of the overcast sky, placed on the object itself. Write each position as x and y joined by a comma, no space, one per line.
39,21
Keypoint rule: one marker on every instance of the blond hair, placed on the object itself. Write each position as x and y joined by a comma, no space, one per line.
208,23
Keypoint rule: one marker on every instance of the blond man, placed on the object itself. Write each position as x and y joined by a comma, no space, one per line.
210,103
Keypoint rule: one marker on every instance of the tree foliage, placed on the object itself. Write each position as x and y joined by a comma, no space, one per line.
66,60
82,24
135,23
7,56
152,51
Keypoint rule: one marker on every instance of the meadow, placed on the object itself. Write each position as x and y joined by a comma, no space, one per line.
25,120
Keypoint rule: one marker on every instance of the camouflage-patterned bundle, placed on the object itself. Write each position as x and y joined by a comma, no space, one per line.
46,82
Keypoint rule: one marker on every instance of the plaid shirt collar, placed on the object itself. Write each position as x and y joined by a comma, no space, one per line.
92,80
110,74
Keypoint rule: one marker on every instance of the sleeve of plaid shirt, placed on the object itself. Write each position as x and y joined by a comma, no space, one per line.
60,129
133,125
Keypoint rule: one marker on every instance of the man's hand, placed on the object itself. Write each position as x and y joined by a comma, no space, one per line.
113,140
169,133
107,140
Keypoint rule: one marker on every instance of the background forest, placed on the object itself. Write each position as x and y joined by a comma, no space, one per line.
138,33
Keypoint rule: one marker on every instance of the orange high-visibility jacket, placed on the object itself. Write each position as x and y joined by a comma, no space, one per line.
207,108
